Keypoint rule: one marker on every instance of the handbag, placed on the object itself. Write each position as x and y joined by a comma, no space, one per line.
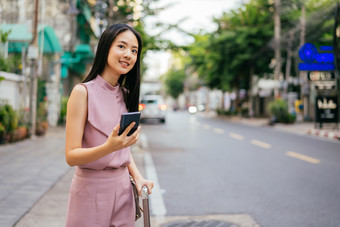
139,210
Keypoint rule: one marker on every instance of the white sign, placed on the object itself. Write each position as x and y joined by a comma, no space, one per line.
32,52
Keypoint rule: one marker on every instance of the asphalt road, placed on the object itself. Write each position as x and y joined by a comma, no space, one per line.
207,166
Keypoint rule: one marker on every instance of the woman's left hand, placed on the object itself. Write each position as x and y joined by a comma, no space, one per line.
144,182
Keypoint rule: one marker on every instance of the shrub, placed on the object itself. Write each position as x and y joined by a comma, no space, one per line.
221,111
279,110
8,118
2,130
63,108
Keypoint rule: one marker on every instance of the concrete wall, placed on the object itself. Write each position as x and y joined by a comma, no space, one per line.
12,90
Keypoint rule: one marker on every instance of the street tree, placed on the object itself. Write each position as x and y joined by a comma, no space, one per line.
243,45
174,82
226,58
134,12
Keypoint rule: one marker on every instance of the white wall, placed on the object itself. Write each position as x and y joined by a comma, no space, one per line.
11,90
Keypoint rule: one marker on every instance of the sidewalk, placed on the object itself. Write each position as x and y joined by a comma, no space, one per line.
28,169
329,131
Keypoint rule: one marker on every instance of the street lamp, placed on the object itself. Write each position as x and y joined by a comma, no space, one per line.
72,11
100,12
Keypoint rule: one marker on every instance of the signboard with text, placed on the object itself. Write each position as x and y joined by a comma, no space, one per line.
326,109
322,80
314,60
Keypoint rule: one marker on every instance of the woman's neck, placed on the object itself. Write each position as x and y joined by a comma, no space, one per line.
110,77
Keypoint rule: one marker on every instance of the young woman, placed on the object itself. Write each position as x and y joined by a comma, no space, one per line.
101,192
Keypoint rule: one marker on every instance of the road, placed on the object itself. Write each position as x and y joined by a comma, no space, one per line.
208,166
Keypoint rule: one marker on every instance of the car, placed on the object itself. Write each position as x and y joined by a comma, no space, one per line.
153,107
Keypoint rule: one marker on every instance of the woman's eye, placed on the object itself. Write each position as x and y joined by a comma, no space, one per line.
121,46
134,51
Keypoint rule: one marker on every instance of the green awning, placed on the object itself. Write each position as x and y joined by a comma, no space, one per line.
51,41
19,32
20,37
84,50
77,60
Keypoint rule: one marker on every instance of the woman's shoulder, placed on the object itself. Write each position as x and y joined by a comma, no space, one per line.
77,98
79,90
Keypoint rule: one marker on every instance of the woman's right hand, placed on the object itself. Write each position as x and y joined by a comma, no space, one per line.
118,142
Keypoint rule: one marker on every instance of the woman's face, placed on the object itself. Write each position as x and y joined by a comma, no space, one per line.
123,53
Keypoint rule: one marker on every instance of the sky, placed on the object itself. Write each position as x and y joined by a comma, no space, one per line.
198,15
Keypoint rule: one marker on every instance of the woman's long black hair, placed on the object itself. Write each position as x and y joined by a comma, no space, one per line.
131,80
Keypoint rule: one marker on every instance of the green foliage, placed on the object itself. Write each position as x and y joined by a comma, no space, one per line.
11,64
224,59
42,112
222,112
41,101
2,130
4,65
174,82
63,109
8,118
243,43
133,12
279,110
4,36
41,93
319,17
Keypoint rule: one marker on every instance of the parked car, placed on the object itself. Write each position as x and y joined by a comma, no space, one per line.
153,107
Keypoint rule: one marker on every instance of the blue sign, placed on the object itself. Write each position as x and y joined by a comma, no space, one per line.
315,61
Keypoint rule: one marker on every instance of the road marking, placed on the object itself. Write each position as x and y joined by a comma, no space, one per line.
261,144
236,136
143,140
219,130
156,200
192,120
205,126
303,157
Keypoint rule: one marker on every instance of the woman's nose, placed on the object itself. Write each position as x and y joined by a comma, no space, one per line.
127,53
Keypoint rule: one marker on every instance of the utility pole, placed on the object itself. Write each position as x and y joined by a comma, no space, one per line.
336,40
289,61
303,25
33,56
277,39
73,12
302,75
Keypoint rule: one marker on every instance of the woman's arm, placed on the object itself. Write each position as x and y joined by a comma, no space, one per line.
75,123
138,178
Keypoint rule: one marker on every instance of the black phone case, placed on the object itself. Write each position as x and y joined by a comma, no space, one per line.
126,119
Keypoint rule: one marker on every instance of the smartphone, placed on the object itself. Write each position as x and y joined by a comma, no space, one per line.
126,119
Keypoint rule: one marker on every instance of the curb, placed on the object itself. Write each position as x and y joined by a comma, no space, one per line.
326,134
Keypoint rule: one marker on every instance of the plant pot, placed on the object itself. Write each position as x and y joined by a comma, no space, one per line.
22,131
41,128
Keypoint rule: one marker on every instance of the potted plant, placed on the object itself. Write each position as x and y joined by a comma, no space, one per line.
9,119
42,125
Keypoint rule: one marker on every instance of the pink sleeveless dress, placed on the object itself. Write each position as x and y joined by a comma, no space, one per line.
101,192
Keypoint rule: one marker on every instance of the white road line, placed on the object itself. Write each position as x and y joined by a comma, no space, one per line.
261,144
143,140
156,200
302,157
236,136
205,126
219,130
